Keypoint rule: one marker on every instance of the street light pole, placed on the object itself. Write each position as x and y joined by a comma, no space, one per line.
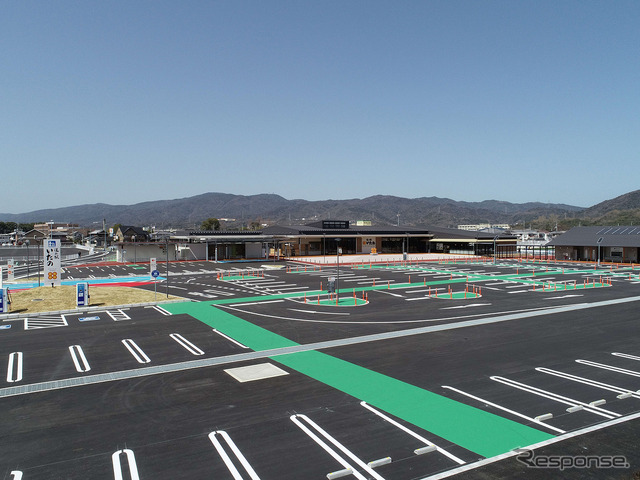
338,270
28,270
599,240
166,242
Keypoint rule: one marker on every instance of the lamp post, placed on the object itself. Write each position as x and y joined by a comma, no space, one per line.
494,248
38,247
338,270
26,242
598,242
166,243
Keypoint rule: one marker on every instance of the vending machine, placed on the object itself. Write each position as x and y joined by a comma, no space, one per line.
82,294
4,301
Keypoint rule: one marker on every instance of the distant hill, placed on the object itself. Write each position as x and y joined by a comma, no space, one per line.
628,201
189,212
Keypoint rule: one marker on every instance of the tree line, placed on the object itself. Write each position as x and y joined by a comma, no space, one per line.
10,227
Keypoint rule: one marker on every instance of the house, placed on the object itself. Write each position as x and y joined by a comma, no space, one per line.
128,233
605,243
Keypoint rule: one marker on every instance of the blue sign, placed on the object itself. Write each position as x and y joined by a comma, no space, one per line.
3,300
4,327
88,319
155,274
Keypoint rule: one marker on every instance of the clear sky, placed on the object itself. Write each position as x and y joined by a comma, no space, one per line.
127,101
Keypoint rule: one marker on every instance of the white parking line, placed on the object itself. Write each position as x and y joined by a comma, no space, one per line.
190,347
624,371
236,451
77,355
513,412
136,351
297,420
626,355
588,381
555,397
160,309
389,293
230,339
14,372
131,461
412,433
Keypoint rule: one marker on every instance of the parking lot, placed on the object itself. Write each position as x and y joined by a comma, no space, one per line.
413,371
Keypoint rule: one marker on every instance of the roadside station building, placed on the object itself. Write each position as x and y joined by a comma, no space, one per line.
324,237
604,243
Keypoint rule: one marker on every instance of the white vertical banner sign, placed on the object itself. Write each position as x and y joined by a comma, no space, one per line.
152,265
52,268
0,277
10,274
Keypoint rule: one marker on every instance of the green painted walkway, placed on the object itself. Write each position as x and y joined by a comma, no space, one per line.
474,429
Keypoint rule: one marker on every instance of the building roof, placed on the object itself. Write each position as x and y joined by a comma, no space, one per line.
619,236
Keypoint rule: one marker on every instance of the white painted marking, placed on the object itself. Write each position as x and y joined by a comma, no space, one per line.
624,371
190,347
17,475
412,433
35,323
389,293
14,374
336,456
466,306
118,315
254,303
520,291
236,451
217,292
586,381
77,355
161,310
131,461
626,355
136,351
555,397
562,296
229,338
560,438
314,311
500,407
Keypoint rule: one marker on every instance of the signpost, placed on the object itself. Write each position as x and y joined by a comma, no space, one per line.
52,267
155,274
152,265
10,274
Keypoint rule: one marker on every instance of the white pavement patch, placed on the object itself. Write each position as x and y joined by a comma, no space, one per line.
259,371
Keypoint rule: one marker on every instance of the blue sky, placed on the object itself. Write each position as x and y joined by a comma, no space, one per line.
122,102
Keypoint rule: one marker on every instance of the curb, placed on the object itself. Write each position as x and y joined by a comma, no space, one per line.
18,316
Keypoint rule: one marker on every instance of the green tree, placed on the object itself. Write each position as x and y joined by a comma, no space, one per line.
211,224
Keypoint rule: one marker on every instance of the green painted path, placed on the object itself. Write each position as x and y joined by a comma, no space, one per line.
481,432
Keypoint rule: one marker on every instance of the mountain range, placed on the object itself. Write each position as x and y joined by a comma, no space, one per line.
239,211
